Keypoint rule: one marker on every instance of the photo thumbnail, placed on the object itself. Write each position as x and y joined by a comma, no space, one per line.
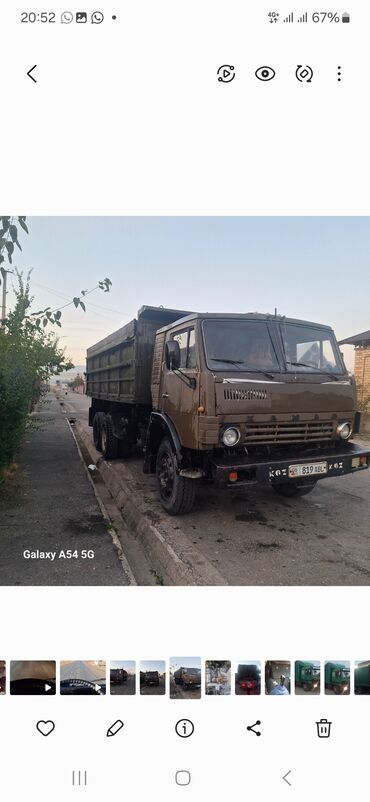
218,677
2,676
277,677
248,678
338,677
185,677
362,677
82,677
32,677
307,677
152,677
122,677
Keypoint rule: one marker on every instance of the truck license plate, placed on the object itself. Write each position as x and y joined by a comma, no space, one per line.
308,469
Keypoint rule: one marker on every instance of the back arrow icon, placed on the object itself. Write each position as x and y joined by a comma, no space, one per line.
287,775
31,76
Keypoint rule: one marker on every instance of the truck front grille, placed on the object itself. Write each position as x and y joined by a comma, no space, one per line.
247,394
292,432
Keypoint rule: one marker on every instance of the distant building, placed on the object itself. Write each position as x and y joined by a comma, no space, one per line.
361,343
78,385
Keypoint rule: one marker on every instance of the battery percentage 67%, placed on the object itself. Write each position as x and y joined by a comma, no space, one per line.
325,16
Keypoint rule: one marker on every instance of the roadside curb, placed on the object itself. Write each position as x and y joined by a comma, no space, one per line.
171,552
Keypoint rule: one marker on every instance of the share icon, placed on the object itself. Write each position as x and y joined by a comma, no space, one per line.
251,727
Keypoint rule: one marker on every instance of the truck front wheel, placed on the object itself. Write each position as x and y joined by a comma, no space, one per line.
290,489
176,493
109,443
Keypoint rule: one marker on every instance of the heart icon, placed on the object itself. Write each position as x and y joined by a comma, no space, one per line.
45,727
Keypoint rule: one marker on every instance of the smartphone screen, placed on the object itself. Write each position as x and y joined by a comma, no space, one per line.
184,400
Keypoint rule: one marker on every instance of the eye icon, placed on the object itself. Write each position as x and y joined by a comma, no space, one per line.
265,73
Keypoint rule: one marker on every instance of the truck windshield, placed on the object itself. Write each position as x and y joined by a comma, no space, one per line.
239,344
308,349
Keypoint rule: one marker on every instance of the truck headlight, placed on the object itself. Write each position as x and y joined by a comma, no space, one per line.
230,436
344,430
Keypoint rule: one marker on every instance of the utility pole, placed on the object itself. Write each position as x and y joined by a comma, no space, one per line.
4,274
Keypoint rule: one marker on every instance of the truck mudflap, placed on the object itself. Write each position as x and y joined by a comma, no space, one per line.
306,466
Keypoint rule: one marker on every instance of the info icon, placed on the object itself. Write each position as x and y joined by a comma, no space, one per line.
184,728
81,16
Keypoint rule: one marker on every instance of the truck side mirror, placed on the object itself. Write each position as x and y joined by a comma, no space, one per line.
172,355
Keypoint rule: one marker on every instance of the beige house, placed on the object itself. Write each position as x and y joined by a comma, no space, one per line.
362,365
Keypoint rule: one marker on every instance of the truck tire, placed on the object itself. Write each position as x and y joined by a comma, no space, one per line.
176,493
290,489
97,426
109,443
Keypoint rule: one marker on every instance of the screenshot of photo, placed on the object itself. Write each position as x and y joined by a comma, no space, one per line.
184,401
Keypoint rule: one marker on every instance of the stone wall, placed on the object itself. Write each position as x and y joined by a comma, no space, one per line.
362,372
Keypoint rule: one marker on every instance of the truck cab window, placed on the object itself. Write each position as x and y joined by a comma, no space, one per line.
186,341
191,361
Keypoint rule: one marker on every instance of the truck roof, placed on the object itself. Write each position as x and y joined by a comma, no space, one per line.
259,316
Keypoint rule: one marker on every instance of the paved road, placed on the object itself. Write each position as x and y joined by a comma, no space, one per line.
255,537
178,692
50,507
82,669
153,690
127,688
300,692
32,669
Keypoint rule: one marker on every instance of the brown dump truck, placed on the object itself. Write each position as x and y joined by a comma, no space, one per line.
188,677
235,399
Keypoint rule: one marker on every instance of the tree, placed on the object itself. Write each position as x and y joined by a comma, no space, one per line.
29,350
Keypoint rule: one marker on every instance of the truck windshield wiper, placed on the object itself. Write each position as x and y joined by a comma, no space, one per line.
228,361
240,362
317,370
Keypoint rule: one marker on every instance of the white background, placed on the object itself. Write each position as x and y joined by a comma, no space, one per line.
128,117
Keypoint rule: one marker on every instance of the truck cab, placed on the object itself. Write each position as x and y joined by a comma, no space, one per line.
307,676
337,677
249,399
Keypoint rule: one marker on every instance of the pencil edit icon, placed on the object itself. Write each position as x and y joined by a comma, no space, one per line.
114,728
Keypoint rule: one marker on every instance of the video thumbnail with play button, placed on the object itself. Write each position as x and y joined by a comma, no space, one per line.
32,677
83,677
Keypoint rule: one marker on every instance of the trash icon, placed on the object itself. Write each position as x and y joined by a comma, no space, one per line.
323,728
92,467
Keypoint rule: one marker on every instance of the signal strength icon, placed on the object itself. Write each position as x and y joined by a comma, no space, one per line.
289,18
303,18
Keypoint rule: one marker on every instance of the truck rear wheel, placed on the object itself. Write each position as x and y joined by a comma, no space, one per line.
97,427
290,489
109,443
176,493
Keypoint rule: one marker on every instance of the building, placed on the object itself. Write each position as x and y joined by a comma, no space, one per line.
361,343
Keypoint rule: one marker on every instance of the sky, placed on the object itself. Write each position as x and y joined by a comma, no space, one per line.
184,662
128,665
153,665
308,267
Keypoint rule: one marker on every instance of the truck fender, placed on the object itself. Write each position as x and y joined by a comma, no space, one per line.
160,425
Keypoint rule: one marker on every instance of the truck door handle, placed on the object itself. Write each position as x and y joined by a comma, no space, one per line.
164,395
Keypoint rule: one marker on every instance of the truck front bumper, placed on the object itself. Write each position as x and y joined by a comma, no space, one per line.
346,458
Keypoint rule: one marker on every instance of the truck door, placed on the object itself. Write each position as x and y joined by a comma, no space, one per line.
180,400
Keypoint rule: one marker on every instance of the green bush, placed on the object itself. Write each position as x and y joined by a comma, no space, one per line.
28,357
